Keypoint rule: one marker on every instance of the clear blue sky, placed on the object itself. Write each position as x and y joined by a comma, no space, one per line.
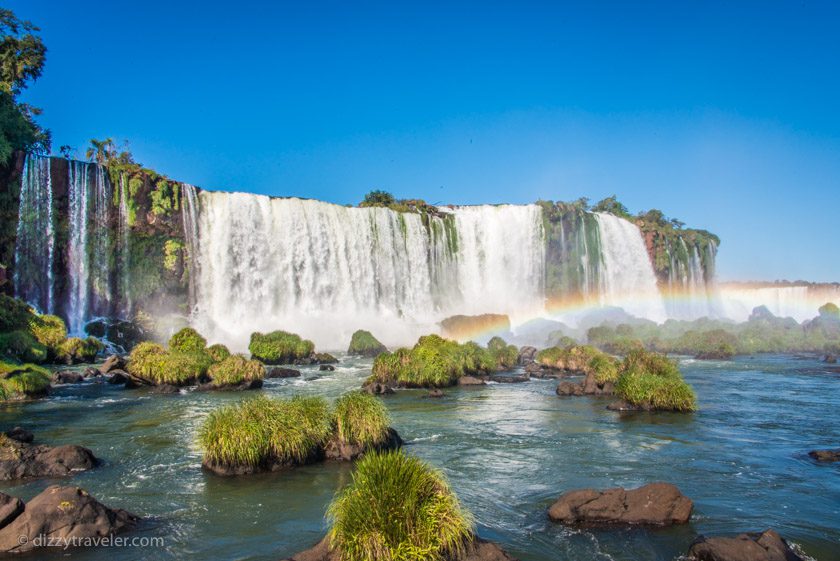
723,114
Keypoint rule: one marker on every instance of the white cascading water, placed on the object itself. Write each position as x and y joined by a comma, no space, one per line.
189,219
324,270
799,302
125,248
628,280
689,296
77,261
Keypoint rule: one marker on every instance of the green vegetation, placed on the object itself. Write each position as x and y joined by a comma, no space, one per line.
22,346
360,418
74,350
398,508
378,198
261,431
50,331
279,347
218,352
365,344
432,362
234,370
20,381
506,356
653,381
153,363
580,358
187,340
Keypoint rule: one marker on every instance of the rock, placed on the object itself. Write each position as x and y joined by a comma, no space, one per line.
344,451
62,513
569,388
766,546
243,386
91,372
324,358
280,372
470,381
119,377
67,377
510,379
113,362
164,389
527,355
622,405
659,504
377,388
21,435
589,386
478,550
826,455
830,359
326,368
19,460
10,508
435,393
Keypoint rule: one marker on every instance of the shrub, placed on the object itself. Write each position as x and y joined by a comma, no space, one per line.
73,350
259,431
49,330
22,346
360,418
605,368
397,508
153,363
505,356
187,340
22,380
15,314
218,352
577,358
653,381
279,347
234,370
364,343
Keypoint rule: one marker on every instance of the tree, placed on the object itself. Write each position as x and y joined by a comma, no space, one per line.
378,198
612,206
105,152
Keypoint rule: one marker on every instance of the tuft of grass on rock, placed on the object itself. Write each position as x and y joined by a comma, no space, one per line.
22,346
187,340
152,362
397,508
653,381
279,347
74,350
19,381
50,331
365,344
218,352
360,418
235,370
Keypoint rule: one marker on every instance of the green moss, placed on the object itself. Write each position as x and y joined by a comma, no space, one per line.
360,418
235,370
261,431
22,346
75,350
187,340
173,250
398,508
324,358
15,314
653,381
218,352
432,362
20,381
50,331
365,344
279,347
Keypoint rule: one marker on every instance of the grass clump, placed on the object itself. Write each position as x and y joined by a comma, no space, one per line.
218,352
506,356
14,314
432,362
279,347
22,346
235,370
153,363
398,508
653,381
262,431
18,381
581,358
74,350
50,331
187,340
360,418
365,344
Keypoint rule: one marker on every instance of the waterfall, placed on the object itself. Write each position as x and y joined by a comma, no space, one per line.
125,248
189,219
34,277
324,270
628,280
801,302
690,293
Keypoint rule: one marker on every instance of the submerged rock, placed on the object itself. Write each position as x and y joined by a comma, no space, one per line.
830,359
510,379
435,393
60,514
589,386
826,455
280,372
326,368
119,377
478,550
242,386
19,460
377,388
765,546
659,504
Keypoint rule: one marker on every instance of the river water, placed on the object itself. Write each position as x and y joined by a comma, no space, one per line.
509,450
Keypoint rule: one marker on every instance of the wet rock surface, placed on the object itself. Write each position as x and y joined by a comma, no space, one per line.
22,460
659,504
764,546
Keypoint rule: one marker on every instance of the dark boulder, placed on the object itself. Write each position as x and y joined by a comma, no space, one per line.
470,381
589,386
113,362
242,386
91,372
435,393
164,389
510,379
118,377
527,355
67,377
376,388
622,405
280,372
344,451
830,359
21,435
324,358
19,460
10,508
765,546
569,388
62,513
478,550
659,504
326,368
826,455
